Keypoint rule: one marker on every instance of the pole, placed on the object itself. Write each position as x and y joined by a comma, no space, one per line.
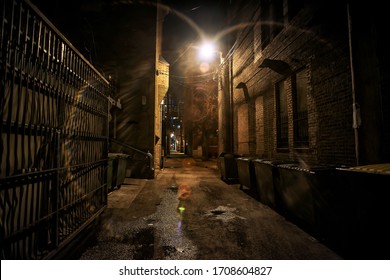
355,105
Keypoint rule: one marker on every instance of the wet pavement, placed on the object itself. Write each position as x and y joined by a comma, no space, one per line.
188,213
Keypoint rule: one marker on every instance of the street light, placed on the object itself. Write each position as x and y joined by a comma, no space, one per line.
207,51
206,55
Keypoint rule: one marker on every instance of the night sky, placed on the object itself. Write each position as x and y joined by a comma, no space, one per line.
81,21
208,15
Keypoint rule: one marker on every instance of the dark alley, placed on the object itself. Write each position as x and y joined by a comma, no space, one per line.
152,131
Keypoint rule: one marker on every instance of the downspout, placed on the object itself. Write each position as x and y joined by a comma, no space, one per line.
231,120
355,106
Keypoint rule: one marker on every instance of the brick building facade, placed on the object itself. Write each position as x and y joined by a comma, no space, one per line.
293,76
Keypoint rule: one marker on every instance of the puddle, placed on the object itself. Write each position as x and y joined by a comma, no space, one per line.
169,223
160,235
223,213
217,212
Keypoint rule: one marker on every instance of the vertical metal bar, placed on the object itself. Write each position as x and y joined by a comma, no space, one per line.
48,92
55,194
34,105
26,95
58,155
11,164
17,74
43,77
52,73
56,79
38,73
10,91
29,199
3,76
16,193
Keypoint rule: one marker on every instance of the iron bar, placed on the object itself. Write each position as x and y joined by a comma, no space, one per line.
53,150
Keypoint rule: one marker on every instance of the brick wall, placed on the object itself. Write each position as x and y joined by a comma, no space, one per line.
322,50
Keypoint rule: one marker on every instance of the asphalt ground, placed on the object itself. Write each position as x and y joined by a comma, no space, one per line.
188,213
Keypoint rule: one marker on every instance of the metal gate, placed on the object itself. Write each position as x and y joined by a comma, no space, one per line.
54,136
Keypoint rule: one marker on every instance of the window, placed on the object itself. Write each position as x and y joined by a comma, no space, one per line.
301,133
281,115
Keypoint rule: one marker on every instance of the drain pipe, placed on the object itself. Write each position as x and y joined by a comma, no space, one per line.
355,106
231,104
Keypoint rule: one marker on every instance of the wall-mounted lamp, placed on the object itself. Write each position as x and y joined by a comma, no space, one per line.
279,66
243,86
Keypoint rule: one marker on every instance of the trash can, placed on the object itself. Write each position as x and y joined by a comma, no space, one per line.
306,195
116,173
368,189
227,166
246,174
330,205
121,171
266,174
111,170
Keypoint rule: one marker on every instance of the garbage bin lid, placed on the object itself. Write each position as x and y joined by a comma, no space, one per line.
118,155
288,165
295,166
382,168
246,158
319,168
113,155
273,162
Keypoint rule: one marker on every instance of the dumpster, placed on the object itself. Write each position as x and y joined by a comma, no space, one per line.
121,171
116,173
368,189
306,196
330,204
111,160
112,171
227,166
246,174
266,174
